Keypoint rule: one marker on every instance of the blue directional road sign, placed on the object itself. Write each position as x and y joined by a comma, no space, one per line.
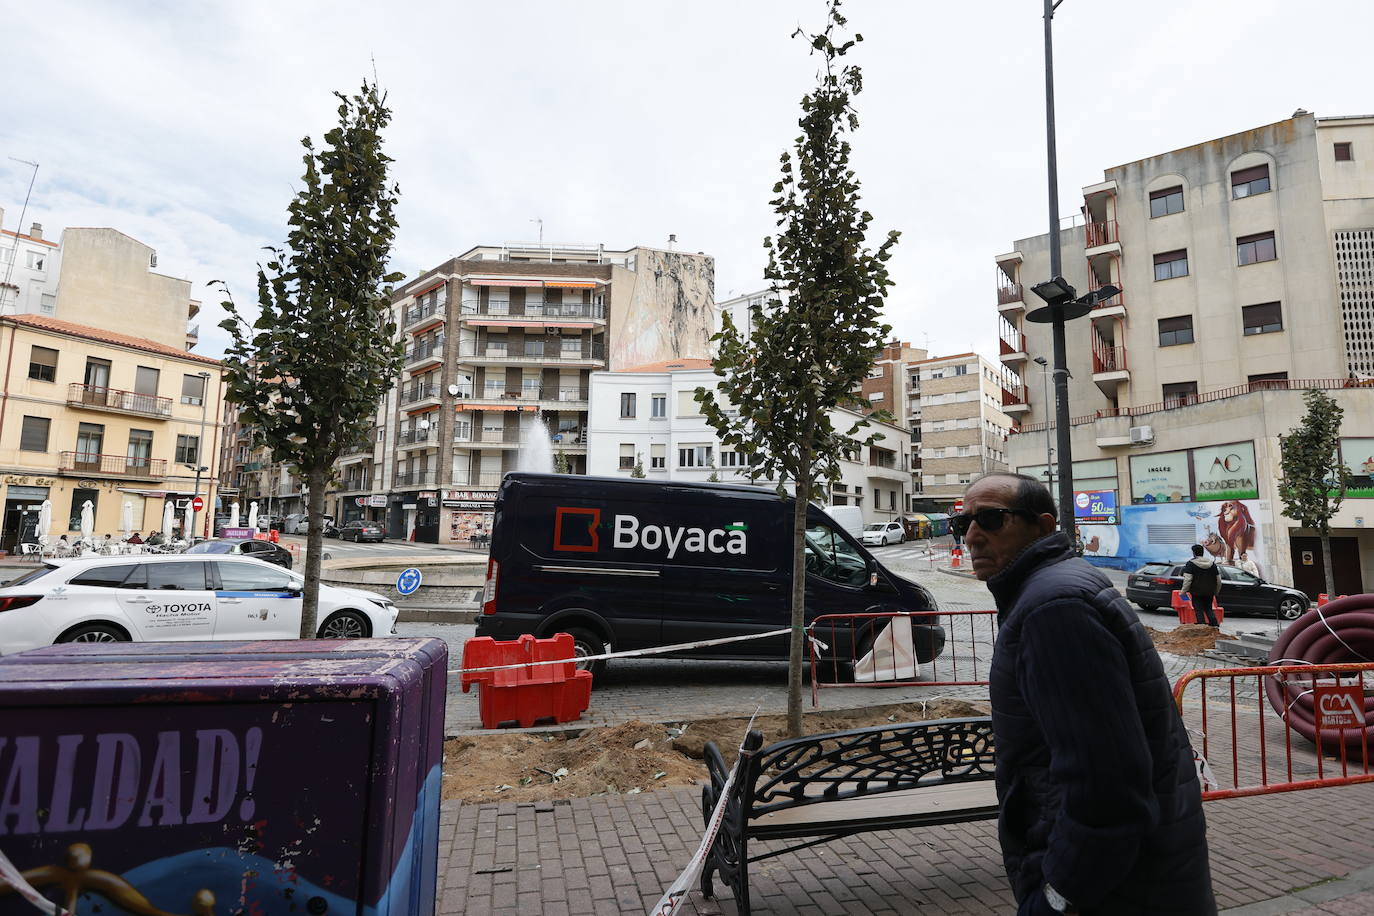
408,582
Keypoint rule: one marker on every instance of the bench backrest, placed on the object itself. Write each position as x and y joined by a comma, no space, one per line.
863,762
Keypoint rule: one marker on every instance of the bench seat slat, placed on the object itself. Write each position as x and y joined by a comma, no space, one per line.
932,804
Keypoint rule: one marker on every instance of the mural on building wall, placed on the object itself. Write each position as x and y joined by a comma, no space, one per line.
1230,530
1358,457
672,312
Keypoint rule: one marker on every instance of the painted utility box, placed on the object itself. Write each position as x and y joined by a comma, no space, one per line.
224,777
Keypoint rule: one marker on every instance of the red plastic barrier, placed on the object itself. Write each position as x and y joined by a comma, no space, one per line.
1324,599
526,695
1183,607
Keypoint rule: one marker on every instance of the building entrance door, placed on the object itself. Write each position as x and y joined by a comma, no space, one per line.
1308,568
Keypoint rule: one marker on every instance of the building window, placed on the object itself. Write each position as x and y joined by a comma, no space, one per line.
627,456
1262,319
1269,380
627,405
1178,394
731,459
659,406
1344,152
1174,331
694,456
877,396
47,304
1165,202
658,457
90,442
188,449
97,373
145,380
33,437
192,389
37,259
1249,182
140,447
1171,264
892,500
961,370
1252,249
43,364
687,403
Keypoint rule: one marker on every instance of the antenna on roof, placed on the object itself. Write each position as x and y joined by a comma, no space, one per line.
19,227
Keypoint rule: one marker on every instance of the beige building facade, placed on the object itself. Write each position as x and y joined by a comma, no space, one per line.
1246,274
92,414
954,408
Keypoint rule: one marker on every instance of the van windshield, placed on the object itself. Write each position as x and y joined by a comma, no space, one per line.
876,526
832,557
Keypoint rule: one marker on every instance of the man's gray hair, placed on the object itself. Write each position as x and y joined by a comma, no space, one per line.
1031,494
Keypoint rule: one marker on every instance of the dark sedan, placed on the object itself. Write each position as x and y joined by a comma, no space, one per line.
247,547
360,531
1152,586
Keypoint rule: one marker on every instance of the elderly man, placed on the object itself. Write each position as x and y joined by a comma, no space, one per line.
1101,810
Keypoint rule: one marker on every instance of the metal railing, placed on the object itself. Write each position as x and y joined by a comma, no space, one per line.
529,393
119,465
413,393
492,436
490,479
355,484
1009,294
1118,299
1097,234
1012,396
1011,341
417,314
410,436
414,479
474,308
1109,359
425,350
149,405
544,350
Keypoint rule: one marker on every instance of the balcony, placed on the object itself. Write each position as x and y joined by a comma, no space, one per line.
488,479
412,438
422,354
413,479
416,394
356,484
1014,400
1109,365
536,350
1114,307
571,397
434,311
1011,345
92,465
1101,238
532,313
93,397
507,438
1011,298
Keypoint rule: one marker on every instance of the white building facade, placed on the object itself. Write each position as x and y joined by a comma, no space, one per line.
648,417
29,267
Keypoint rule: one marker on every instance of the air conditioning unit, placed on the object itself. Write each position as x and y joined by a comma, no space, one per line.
1142,435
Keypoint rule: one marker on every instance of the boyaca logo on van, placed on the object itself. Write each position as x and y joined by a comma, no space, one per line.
576,530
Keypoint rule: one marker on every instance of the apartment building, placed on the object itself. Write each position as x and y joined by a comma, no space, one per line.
501,343
29,266
89,414
958,429
1246,273
647,416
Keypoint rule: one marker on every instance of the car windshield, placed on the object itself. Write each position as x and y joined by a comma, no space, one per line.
29,576
1154,569
211,547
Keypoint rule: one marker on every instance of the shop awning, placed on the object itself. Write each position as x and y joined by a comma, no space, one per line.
420,410
571,284
430,288
501,281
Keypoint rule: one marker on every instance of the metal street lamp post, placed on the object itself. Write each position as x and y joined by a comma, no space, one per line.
200,465
1049,462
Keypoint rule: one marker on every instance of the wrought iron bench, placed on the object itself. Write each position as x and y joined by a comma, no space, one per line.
823,787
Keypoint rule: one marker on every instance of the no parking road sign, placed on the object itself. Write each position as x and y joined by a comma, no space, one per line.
408,582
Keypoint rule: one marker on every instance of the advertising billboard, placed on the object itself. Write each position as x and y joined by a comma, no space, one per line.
1358,457
1161,478
1231,531
1095,506
1225,472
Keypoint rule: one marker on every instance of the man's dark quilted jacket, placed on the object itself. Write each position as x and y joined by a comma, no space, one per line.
1098,791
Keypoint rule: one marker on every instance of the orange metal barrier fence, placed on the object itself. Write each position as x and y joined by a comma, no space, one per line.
1259,729
946,648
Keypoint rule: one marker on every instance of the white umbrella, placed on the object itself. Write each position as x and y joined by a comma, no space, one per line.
126,519
44,521
168,519
253,514
87,521
234,514
187,522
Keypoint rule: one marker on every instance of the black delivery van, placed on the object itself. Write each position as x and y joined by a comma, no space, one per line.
628,564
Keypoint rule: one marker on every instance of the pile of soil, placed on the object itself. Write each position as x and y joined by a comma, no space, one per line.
636,756
1188,639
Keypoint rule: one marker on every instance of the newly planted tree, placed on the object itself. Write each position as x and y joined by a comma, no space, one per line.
309,371
814,342
1314,479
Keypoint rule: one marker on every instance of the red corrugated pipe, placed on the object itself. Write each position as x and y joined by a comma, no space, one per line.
1340,631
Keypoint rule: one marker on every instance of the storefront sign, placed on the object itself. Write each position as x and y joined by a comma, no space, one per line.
1226,472
1338,705
1095,506
1358,457
377,502
482,495
1160,478
31,481
465,504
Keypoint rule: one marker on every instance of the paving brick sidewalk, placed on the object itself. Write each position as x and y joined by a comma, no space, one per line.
616,854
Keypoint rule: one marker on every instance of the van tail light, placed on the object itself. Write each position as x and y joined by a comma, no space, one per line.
489,590
13,602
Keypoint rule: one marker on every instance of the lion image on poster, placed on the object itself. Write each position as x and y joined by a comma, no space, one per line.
1237,530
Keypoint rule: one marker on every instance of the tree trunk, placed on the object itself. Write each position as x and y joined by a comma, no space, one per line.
1326,564
314,551
798,642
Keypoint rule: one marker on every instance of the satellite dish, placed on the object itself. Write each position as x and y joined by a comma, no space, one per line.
453,390
423,424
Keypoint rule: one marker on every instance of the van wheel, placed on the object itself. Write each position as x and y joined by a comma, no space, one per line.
587,643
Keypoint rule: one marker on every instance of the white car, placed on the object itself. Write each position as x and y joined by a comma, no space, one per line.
883,533
175,597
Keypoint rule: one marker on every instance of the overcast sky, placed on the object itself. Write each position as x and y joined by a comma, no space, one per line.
621,121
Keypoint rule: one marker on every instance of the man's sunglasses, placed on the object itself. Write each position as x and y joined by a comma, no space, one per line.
987,519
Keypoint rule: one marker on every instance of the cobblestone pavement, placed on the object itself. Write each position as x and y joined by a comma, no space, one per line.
1269,854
